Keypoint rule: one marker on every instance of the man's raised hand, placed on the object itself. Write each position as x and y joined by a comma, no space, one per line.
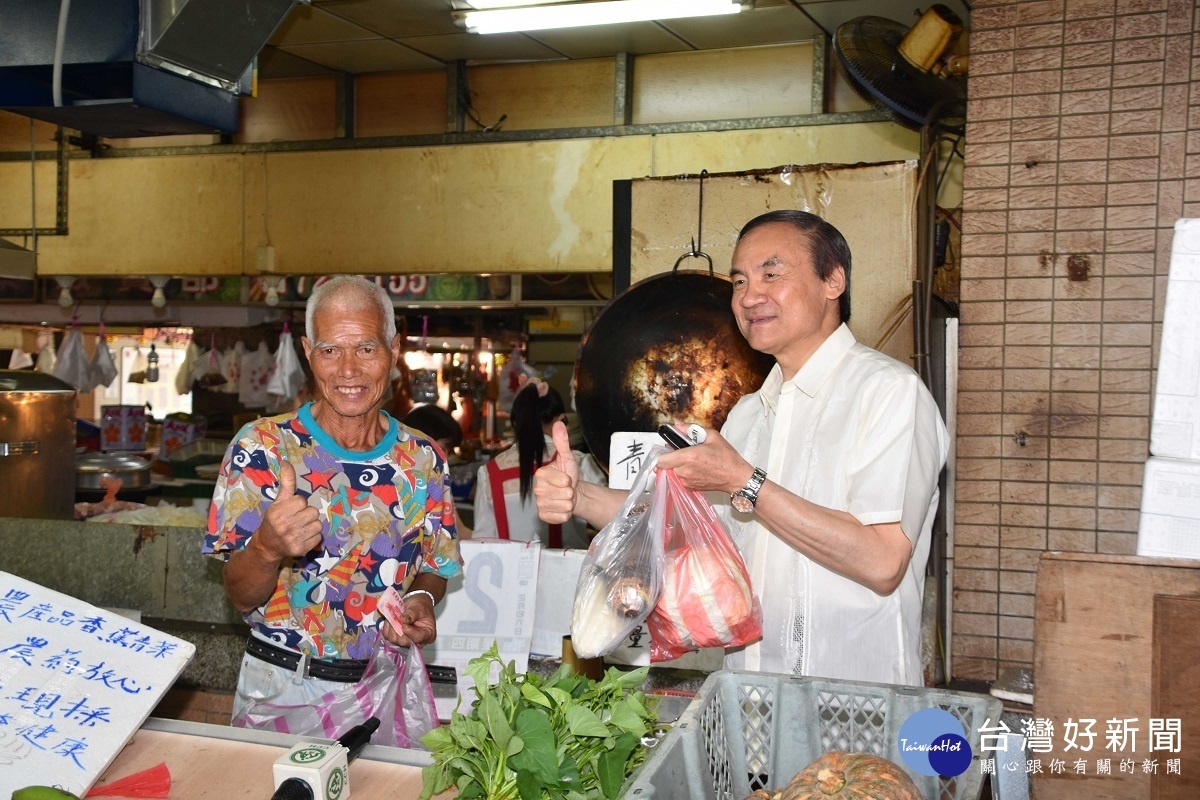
291,527
554,485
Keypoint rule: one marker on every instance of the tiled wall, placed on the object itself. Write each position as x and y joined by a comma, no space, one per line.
1080,142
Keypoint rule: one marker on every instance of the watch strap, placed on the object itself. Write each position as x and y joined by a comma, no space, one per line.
752,487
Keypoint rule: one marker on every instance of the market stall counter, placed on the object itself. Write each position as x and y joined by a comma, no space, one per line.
229,763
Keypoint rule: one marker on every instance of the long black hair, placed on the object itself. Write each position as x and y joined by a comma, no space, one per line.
530,411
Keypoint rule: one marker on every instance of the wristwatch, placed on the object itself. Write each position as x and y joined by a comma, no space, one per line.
745,498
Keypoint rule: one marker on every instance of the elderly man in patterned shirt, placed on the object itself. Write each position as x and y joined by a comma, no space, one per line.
318,512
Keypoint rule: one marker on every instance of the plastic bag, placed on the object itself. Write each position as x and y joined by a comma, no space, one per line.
395,687
707,600
620,580
288,376
46,356
101,368
510,378
72,364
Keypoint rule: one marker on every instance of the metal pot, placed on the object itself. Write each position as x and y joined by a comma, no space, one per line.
666,348
37,444
92,468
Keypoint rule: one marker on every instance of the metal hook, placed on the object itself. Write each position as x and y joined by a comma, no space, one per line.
694,254
696,250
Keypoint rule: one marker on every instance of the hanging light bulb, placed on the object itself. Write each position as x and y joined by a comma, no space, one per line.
272,283
152,364
159,299
64,290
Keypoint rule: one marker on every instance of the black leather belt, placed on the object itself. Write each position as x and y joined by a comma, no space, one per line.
343,670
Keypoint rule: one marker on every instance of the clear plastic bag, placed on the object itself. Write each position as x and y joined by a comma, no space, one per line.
707,600
620,580
395,688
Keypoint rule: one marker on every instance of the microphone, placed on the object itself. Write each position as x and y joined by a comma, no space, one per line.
312,771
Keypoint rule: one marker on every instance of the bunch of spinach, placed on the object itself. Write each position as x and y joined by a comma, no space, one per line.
538,738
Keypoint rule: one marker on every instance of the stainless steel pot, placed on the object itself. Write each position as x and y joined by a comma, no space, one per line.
37,445
92,468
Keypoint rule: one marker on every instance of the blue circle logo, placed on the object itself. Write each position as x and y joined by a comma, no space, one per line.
933,742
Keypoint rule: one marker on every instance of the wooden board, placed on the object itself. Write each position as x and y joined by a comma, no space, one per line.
1093,659
222,769
1176,687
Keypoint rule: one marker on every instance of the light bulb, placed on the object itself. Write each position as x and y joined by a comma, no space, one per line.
159,299
64,290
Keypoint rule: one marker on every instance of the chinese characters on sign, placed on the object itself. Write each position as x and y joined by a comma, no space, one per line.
75,682
1094,751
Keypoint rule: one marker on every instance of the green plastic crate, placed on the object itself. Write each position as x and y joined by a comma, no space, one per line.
748,730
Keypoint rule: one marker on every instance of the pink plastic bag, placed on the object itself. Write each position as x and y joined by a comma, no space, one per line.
706,597
395,688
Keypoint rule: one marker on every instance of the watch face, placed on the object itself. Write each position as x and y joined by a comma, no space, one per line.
742,503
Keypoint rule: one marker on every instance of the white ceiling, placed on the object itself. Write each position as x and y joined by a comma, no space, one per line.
359,36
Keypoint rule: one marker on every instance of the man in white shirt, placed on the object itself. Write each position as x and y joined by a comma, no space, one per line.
831,468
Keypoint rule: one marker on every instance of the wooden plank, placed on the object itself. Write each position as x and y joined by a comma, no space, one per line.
1176,688
1093,659
203,767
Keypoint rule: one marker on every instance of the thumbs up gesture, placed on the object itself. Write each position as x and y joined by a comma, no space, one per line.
291,527
555,485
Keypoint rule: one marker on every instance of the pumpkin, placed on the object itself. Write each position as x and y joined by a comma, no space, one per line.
839,775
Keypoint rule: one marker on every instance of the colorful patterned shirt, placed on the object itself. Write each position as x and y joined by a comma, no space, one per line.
386,515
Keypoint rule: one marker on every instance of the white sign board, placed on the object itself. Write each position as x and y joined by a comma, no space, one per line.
491,600
627,451
558,575
76,682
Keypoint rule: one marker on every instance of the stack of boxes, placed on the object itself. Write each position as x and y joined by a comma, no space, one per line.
1169,524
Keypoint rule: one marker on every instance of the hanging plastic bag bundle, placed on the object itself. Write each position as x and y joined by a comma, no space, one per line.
706,597
72,365
620,580
101,368
288,375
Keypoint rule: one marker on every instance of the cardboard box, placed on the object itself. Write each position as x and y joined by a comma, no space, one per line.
1169,524
122,427
181,429
1175,426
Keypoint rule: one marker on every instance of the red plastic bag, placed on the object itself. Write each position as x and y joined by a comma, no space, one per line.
707,600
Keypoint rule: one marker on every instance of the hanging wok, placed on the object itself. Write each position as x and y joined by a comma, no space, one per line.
666,348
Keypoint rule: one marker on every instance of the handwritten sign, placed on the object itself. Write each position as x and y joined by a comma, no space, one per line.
627,451
76,682
491,600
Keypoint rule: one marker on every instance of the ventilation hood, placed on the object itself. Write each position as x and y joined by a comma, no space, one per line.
131,68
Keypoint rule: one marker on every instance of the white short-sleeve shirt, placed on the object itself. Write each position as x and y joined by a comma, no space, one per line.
855,431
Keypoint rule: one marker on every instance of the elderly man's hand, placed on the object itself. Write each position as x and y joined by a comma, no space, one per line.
711,466
419,626
291,527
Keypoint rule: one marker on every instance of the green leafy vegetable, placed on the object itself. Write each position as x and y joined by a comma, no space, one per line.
533,738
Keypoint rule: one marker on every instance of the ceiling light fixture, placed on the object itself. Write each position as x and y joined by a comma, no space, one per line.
65,282
598,12
159,299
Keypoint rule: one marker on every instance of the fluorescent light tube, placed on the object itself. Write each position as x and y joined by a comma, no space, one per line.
571,15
